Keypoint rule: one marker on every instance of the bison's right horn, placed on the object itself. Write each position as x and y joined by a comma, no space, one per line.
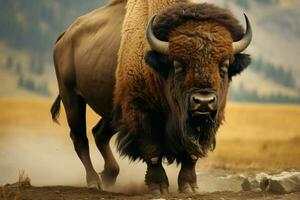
156,44
242,44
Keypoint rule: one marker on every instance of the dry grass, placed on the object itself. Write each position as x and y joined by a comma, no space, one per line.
4,193
258,136
23,182
253,136
34,115
261,122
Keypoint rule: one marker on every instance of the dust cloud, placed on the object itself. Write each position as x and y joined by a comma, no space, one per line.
49,159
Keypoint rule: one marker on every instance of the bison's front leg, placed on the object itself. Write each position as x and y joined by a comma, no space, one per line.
139,137
156,178
187,178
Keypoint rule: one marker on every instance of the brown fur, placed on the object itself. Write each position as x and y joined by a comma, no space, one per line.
207,44
181,13
131,71
146,105
150,100
85,58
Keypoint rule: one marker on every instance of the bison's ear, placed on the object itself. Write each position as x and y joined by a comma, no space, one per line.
158,63
240,63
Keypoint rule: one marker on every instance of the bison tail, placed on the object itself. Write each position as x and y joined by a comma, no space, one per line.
55,108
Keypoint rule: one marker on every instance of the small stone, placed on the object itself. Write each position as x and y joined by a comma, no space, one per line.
283,183
246,185
241,177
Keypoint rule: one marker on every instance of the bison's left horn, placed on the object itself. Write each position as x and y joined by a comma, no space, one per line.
241,45
156,44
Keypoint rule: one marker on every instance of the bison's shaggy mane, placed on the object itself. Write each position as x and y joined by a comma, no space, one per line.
153,126
182,13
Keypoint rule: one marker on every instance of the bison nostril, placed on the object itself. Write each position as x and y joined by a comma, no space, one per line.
211,99
196,100
203,99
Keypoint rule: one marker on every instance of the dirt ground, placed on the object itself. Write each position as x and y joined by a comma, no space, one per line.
79,193
254,138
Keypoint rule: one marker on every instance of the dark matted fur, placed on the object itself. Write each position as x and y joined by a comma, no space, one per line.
182,13
158,121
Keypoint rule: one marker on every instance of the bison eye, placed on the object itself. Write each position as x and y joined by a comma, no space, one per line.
178,67
224,66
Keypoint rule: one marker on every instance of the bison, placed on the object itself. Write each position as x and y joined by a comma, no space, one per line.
166,102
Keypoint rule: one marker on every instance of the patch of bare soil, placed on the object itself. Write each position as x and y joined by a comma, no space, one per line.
77,193
221,188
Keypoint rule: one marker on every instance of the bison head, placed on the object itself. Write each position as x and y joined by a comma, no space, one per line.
198,53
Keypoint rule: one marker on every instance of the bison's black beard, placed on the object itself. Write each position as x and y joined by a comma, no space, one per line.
193,135
201,129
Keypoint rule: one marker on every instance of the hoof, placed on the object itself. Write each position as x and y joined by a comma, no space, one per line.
108,179
155,192
94,182
164,191
159,189
188,189
195,188
154,189
95,186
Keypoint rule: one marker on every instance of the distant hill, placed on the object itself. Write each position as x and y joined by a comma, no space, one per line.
34,25
31,27
29,30
276,28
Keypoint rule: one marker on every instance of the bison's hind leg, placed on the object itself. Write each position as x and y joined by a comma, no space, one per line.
75,108
102,134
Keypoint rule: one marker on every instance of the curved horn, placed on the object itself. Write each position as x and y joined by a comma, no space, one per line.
241,45
156,44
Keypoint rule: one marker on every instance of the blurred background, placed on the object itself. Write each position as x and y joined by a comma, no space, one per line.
30,27
262,128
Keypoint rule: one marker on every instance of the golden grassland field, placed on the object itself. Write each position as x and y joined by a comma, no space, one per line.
254,136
